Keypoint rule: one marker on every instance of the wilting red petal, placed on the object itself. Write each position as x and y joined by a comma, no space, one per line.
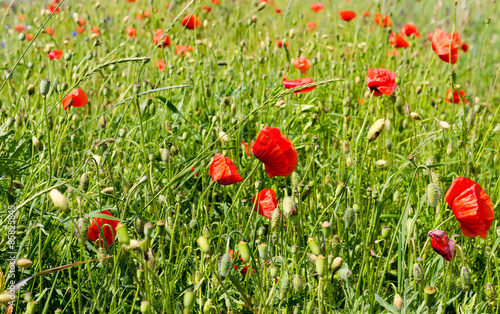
471,206
223,170
265,202
381,82
302,64
347,15
446,46
441,244
76,98
296,83
276,151
108,231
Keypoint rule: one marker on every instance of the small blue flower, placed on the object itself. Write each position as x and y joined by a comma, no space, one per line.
7,26
74,34
2,44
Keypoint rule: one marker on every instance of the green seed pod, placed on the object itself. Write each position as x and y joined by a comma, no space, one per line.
296,179
273,271
298,283
204,244
418,273
285,285
398,301
432,194
121,232
31,307
84,182
81,229
148,230
326,227
225,265
313,246
465,278
375,130
349,218
321,265
44,87
263,251
189,298
137,88
244,250
145,307
386,232
429,296
287,206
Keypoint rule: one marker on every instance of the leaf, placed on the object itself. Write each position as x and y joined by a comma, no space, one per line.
102,216
385,305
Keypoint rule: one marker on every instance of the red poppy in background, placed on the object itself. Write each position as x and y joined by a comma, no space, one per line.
317,6
95,30
398,41
55,54
76,98
393,52
106,226
157,37
383,20
80,30
223,170
456,97
446,46
278,11
130,0
190,22
206,8
53,7
29,37
160,65
347,15
410,30
366,14
381,82
441,244
311,26
181,50
20,28
247,149
50,31
302,64
296,83
265,202
276,152
279,43
471,206
131,32
464,47
215,1
81,21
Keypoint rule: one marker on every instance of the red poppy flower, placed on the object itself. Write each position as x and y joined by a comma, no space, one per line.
393,52
456,97
347,15
247,149
81,22
464,47
55,54
131,32
278,11
223,170
50,31
29,37
381,82
53,7
317,6
398,41
157,37
276,152
366,14
160,65
215,1
95,30
446,46
472,207
76,98
106,226
441,244
190,22
265,202
130,0
20,28
296,83
279,43
302,64
80,29
383,20
206,8
410,30
181,50
311,26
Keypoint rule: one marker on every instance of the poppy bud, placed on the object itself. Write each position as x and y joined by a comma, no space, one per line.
193,224
81,230
381,163
375,130
415,116
418,273
207,306
30,89
263,251
295,248
108,190
121,232
296,179
5,298
349,217
298,283
17,185
60,201
44,87
339,189
31,307
313,246
386,232
145,307
291,33
287,206
337,263
489,291
174,150
465,278
261,6
225,265
429,296
137,88
275,218
67,56
24,263
285,284
432,194
398,301
244,250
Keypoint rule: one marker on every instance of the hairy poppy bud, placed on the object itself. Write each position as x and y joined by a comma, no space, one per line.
275,218
5,298
298,283
349,217
31,307
444,125
263,251
244,250
465,278
108,190
433,194
339,189
273,271
296,179
22,36
60,201
375,130
415,116
225,265
381,163
261,6
84,182
489,291
81,229
418,273
174,150
137,88
44,87
337,263
449,149
313,246
17,185
285,285
145,307
193,224
398,301
148,230
287,206
121,232
429,296
24,263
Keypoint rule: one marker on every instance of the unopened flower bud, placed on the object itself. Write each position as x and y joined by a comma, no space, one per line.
44,86
145,307
349,217
59,200
189,298
121,232
298,283
465,278
432,194
287,206
24,263
398,301
263,251
314,246
285,286
244,250
375,130
84,182
386,232
225,265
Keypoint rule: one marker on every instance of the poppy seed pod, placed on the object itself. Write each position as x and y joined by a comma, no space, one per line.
429,296
263,251
432,194
375,130
321,265
189,298
121,232
244,250
313,246
298,283
225,265
44,87
148,230
59,200
398,301
285,286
